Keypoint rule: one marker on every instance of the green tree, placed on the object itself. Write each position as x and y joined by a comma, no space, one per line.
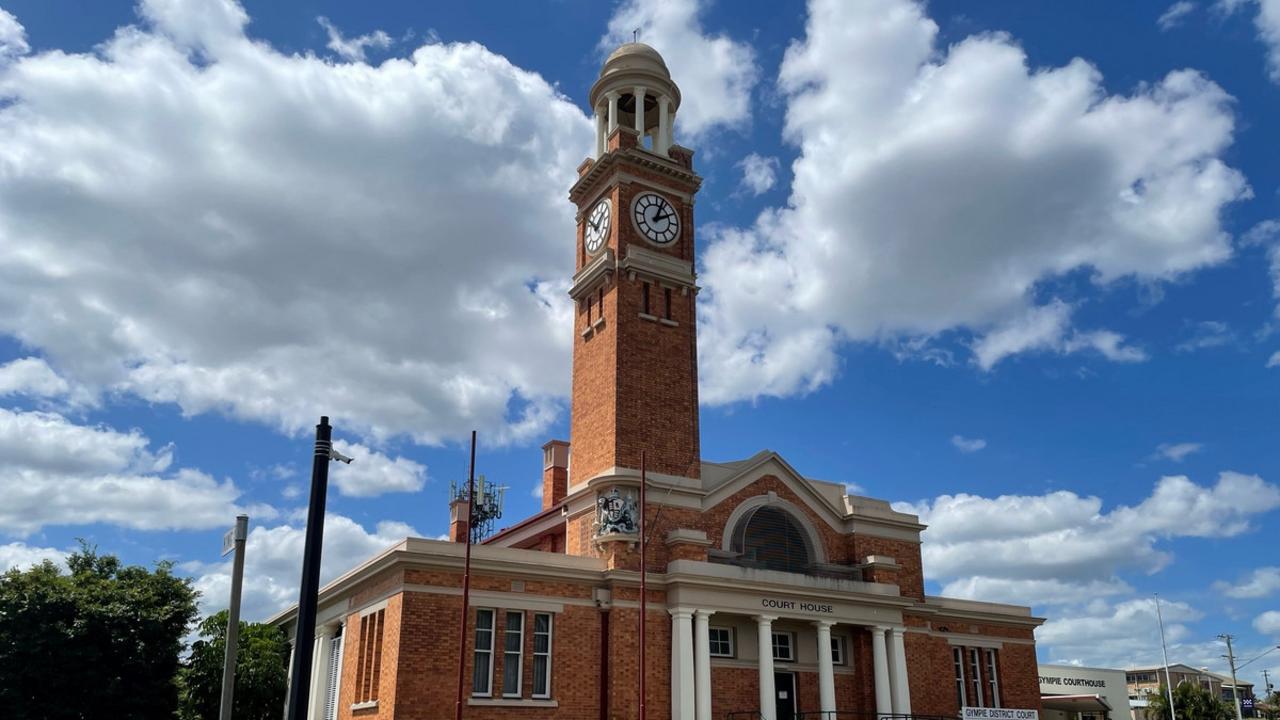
1190,702
100,641
262,671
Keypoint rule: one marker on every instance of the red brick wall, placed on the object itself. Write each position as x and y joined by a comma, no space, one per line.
906,553
635,381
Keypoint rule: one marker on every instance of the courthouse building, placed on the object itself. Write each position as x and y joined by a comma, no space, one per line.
770,594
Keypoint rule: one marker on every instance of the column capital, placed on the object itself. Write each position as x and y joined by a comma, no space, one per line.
613,95
824,624
765,619
640,90
879,629
704,613
680,613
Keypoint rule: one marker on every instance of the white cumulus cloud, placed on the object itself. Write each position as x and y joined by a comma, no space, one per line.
372,473
1262,582
13,37
938,187
352,49
56,472
1176,451
1268,623
967,445
1175,14
273,563
20,556
1046,542
759,174
193,217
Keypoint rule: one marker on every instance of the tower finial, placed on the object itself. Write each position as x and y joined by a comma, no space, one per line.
635,35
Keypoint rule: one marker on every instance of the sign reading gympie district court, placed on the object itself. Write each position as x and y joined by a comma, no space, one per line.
980,713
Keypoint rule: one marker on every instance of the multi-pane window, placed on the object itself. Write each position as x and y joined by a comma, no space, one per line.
993,678
721,641
837,650
334,676
975,677
482,675
784,647
957,661
512,655
369,669
542,655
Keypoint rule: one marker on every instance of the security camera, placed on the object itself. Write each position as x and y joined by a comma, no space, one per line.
335,455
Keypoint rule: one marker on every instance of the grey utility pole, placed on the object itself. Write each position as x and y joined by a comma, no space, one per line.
1235,685
233,541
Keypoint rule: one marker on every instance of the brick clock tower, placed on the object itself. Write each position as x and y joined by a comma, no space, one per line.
635,361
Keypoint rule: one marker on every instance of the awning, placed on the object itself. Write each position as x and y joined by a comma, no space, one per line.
1075,703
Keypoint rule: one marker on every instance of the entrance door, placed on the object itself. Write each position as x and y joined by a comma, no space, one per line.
784,686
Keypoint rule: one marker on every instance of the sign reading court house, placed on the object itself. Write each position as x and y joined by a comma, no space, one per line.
982,713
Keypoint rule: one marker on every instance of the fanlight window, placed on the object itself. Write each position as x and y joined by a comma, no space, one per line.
769,538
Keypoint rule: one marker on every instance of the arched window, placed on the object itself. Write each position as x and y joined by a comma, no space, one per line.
770,538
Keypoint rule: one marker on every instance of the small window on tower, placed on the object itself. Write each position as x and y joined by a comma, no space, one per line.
600,300
644,299
666,296
588,309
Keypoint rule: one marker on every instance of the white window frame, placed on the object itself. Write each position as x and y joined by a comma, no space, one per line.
519,653
957,662
838,654
493,631
337,646
728,631
551,620
993,677
975,664
791,645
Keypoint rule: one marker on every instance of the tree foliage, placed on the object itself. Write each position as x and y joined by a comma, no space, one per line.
100,641
1190,702
262,668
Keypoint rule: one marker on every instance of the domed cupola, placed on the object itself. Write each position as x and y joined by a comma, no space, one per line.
635,76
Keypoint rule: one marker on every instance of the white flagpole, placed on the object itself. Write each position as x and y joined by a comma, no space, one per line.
1168,683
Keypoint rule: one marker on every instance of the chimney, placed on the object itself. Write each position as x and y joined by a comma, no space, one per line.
555,473
459,520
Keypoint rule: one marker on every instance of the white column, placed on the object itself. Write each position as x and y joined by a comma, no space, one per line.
663,143
639,96
901,687
826,673
601,121
681,665
613,112
702,664
764,636
879,658
891,659
319,671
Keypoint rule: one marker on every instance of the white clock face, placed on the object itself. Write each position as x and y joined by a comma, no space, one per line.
598,226
656,218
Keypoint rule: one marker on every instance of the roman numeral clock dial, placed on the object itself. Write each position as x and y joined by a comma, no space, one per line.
655,218
597,226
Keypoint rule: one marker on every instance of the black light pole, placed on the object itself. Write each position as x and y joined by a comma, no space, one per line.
305,632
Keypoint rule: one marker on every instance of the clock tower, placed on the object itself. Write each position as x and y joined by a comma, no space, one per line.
635,360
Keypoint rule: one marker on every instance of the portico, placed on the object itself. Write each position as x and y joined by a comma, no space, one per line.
728,619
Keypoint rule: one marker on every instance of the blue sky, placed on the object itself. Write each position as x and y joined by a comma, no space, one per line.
1014,266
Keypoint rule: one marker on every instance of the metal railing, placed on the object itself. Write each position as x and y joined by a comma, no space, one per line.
744,715
864,715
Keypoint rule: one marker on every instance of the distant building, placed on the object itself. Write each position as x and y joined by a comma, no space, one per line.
1144,681
1068,692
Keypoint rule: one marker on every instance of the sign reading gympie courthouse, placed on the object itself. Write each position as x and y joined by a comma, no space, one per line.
981,713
